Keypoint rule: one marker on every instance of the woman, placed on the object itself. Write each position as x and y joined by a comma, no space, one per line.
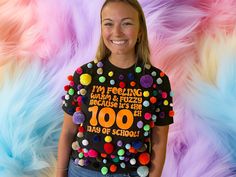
117,107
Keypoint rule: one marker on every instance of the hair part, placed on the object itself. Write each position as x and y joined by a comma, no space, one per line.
142,50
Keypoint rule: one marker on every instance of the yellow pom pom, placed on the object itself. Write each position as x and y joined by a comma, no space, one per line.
85,79
146,93
108,139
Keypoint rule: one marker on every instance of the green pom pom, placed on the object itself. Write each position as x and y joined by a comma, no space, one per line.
116,159
138,69
81,155
146,127
102,79
71,91
121,152
104,170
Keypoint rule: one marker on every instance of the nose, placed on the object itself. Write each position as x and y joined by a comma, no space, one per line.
117,30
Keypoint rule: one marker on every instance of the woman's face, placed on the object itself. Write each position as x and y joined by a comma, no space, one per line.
120,28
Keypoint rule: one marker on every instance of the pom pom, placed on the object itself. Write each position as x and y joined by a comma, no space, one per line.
110,74
70,78
147,116
85,79
133,161
66,87
75,145
146,81
103,155
137,144
138,69
119,143
113,168
144,158
102,79
83,92
132,84
108,139
122,165
99,71
146,94
100,64
92,153
121,152
81,162
140,124
81,129
132,150
80,134
78,118
146,127
96,138
143,148
122,85
108,148
153,100
143,171
85,142
104,170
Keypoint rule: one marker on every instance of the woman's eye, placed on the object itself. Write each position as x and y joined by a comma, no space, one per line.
127,23
108,24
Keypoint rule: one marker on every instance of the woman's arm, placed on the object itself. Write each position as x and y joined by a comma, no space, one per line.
159,142
68,132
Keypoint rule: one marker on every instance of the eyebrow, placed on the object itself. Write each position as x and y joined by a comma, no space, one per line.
127,18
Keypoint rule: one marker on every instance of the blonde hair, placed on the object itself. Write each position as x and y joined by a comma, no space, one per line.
142,50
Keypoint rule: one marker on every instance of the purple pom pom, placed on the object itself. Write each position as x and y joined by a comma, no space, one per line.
146,81
78,117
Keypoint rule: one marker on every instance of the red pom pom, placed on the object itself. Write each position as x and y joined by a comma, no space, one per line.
70,78
78,109
171,113
144,158
81,129
108,148
122,84
152,124
66,87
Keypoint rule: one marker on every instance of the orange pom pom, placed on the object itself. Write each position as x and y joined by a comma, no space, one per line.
153,100
103,155
113,168
70,78
132,83
162,74
132,150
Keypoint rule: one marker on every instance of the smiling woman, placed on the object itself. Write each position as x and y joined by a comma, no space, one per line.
118,107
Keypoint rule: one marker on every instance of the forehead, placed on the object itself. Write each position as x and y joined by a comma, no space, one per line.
119,10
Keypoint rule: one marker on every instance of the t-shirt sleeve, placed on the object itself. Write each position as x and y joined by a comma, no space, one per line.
69,102
164,108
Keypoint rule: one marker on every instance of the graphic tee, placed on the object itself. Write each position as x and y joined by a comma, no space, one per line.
115,110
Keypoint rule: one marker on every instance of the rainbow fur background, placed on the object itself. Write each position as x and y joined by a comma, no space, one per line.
193,41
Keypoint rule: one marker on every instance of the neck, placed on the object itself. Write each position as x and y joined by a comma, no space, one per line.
122,61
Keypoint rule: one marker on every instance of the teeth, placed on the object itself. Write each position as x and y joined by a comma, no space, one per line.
118,42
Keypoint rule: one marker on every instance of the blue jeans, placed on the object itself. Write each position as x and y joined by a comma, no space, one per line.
77,171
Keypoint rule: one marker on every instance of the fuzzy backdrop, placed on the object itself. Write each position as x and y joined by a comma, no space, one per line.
193,41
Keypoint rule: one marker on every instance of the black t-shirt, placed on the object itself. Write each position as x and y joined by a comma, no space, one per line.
115,110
